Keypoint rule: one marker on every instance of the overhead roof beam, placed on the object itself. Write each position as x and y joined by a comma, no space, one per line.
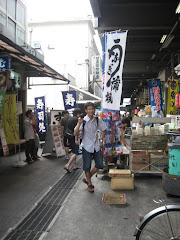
140,3
111,28
95,8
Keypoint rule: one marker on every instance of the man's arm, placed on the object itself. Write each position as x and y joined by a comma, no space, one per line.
76,129
123,139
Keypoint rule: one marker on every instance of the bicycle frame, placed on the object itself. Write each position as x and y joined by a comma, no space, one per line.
152,214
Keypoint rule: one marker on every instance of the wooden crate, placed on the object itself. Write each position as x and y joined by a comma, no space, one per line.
140,160
159,160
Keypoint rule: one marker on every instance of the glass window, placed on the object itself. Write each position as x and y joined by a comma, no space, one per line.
12,8
3,19
20,13
11,26
3,3
20,33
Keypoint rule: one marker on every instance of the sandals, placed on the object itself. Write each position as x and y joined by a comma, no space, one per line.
86,182
67,169
91,188
77,168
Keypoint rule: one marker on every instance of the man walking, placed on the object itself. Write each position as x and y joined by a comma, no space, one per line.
90,143
72,140
30,149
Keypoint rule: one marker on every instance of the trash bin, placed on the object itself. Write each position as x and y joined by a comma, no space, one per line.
174,157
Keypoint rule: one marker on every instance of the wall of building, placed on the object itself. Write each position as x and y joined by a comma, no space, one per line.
68,47
13,17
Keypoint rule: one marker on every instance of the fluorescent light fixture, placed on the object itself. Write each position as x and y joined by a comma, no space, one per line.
178,9
168,41
153,56
163,38
177,70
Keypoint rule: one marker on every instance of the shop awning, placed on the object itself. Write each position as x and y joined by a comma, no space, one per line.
30,59
83,96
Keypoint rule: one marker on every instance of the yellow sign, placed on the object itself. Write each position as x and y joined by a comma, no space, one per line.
9,119
172,91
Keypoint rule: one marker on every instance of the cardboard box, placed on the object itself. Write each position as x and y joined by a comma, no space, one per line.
122,183
158,160
118,173
140,160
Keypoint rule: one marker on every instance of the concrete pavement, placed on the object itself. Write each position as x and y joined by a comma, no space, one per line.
83,215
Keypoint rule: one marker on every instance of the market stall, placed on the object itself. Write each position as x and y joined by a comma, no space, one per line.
149,145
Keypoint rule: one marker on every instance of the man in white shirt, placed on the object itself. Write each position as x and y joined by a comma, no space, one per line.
91,146
30,149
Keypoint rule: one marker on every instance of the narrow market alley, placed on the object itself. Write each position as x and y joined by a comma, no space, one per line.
80,213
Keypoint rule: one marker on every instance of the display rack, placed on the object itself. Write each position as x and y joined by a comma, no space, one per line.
111,144
148,155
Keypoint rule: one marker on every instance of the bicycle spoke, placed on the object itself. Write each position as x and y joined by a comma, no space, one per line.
162,227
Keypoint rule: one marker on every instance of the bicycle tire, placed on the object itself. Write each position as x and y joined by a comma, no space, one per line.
156,215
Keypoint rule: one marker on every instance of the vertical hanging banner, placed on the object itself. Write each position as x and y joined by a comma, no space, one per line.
69,98
40,114
114,53
155,94
9,119
172,91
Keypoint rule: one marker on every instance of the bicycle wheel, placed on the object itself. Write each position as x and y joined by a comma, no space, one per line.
163,225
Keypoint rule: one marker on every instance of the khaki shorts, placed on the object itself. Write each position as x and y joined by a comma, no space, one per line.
36,138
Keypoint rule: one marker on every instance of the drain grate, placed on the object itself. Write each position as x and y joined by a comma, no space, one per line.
24,235
38,220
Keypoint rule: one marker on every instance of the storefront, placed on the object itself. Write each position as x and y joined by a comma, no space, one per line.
17,65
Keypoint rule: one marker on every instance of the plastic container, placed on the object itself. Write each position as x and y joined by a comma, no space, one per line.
174,157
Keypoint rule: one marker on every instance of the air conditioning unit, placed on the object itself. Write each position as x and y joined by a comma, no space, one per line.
37,45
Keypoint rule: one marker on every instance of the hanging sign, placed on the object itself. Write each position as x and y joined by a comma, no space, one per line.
2,96
155,94
9,119
5,63
17,78
96,67
69,98
172,91
115,44
40,114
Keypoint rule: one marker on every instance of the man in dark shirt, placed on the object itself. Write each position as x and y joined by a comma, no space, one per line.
73,142
64,123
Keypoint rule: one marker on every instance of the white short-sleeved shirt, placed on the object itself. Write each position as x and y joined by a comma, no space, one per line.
28,129
89,135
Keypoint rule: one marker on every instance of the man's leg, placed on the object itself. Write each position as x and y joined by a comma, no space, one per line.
72,159
93,171
87,158
27,151
33,149
67,152
98,162
66,147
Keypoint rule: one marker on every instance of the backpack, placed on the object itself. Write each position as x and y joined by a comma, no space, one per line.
69,134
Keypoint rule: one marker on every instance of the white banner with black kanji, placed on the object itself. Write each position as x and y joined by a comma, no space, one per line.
114,50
